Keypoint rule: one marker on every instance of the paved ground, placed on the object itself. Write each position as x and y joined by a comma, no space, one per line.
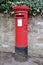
8,59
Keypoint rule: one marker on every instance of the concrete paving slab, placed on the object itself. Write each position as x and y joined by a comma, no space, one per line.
9,59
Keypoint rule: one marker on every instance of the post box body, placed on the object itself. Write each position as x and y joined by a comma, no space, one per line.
21,31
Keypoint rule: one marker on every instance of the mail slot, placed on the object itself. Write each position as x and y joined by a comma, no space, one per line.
17,16
21,20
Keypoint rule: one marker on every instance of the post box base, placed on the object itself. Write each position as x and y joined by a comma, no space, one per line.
21,54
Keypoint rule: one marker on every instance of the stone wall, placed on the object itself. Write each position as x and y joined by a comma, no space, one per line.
35,35
7,34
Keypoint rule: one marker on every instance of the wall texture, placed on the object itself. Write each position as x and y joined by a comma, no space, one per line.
7,34
35,35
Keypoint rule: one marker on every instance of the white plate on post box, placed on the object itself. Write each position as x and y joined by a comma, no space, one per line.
19,22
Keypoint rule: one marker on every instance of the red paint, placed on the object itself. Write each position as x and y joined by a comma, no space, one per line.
21,12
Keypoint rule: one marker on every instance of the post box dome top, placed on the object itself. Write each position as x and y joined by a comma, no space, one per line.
21,8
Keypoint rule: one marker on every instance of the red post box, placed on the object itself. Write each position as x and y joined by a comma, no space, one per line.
21,20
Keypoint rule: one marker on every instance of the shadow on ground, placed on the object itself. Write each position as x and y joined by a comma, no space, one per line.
9,59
